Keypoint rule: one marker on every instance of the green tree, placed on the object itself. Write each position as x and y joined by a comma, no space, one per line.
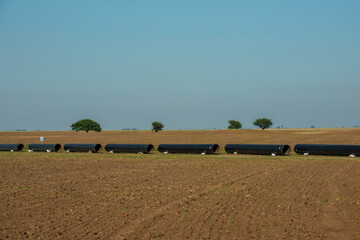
157,126
263,123
233,124
86,125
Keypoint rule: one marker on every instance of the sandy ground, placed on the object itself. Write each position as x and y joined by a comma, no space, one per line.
132,196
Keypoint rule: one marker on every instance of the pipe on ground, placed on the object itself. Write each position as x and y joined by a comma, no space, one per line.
44,147
260,149
327,149
11,147
189,148
129,148
80,147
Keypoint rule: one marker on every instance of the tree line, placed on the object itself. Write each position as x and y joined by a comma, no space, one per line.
90,125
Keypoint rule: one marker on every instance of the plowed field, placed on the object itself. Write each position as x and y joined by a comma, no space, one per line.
155,196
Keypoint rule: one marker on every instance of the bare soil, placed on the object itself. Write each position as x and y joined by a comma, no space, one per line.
155,196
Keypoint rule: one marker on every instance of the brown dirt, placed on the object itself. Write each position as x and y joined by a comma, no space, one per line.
131,196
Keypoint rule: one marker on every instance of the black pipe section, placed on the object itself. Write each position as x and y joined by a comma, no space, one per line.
189,148
260,149
327,149
78,147
129,148
44,147
11,147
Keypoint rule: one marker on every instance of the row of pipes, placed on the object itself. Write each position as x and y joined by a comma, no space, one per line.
259,149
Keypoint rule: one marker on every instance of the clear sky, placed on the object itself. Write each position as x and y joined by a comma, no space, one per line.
187,64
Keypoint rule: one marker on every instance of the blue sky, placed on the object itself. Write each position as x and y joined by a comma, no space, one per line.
188,64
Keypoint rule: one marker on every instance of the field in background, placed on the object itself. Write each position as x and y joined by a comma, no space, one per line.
178,196
222,137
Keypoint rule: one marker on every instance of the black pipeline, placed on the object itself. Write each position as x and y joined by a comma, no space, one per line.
189,148
260,149
44,147
327,149
79,147
11,147
129,148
